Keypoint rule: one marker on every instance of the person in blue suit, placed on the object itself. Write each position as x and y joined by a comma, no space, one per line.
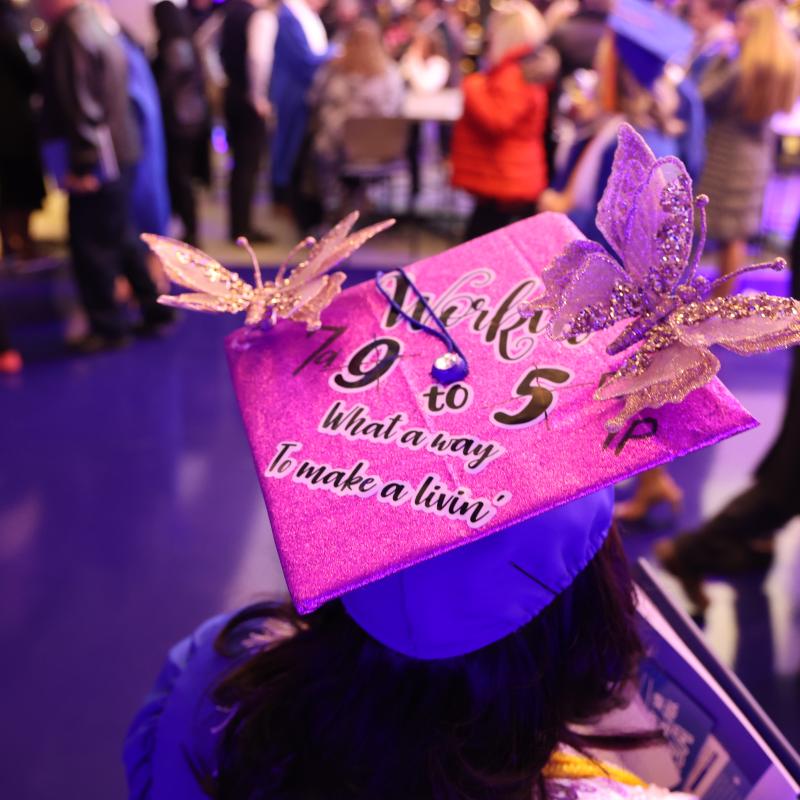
301,48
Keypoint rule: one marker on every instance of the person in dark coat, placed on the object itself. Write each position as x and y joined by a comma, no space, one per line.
181,85
740,537
92,146
247,46
21,182
577,38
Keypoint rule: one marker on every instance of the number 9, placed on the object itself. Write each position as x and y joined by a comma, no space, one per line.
355,378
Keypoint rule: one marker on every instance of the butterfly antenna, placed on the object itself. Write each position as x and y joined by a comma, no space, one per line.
307,243
778,264
701,201
243,242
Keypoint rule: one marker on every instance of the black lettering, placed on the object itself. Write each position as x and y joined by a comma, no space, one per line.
280,464
401,288
650,426
497,319
354,377
540,398
322,355
414,438
453,393
394,492
432,395
310,472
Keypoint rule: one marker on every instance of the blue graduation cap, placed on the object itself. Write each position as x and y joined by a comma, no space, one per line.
648,37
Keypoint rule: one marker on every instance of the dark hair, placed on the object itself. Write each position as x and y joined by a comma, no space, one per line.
171,21
331,713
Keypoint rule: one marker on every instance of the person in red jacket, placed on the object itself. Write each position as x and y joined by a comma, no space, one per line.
498,148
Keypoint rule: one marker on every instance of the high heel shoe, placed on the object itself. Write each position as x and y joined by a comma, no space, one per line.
655,486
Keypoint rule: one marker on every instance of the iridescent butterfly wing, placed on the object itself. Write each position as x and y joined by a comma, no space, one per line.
674,358
216,289
586,290
646,215
308,290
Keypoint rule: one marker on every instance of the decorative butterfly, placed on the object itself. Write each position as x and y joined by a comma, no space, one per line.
300,296
647,216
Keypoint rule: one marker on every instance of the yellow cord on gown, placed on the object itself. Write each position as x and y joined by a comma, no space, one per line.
572,766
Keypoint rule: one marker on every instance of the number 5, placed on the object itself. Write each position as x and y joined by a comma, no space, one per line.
540,398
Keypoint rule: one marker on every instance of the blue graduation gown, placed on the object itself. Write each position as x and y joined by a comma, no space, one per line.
179,726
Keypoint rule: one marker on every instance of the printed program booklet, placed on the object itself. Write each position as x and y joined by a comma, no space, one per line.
722,744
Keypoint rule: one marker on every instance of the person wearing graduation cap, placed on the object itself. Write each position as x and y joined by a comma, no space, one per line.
632,87
463,618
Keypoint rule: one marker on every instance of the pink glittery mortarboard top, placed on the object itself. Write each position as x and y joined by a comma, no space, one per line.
369,466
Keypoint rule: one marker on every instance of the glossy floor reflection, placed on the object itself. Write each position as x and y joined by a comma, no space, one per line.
129,511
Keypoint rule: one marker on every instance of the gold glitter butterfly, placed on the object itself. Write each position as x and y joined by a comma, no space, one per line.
301,295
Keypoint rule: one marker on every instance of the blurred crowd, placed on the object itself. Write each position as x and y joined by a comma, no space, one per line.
126,130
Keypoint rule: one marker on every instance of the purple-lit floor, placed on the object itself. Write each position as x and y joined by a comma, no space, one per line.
130,511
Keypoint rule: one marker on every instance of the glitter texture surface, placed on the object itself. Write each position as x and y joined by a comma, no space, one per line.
521,434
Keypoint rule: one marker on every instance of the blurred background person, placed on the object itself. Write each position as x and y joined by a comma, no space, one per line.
181,85
576,29
742,88
301,48
149,200
578,36
631,87
340,16
21,182
398,34
740,538
206,19
431,18
498,149
427,69
93,146
199,12
247,51
362,82
714,33
425,64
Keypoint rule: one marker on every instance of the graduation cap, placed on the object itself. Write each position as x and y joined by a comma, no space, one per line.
648,38
447,487
369,466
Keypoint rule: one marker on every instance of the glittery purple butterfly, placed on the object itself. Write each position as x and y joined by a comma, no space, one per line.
647,216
